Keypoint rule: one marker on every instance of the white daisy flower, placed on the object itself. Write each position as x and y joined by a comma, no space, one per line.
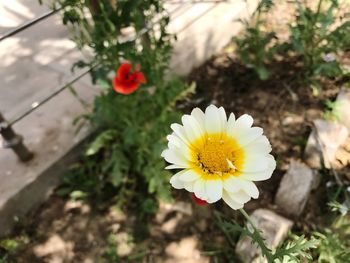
219,157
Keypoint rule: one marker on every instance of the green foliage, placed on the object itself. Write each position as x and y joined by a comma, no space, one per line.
343,208
110,253
123,161
296,250
331,110
332,248
316,37
253,47
312,37
10,246
335,242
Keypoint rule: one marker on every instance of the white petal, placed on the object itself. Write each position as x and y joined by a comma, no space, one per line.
260,145
250,135
230,185
175,143
241,126
175,182
232,203
263,175
240,197
174,166
244,122
256,163
223,118
230,123
174,139
180,132
213,123
192,128
189,186
198,114
258,176
250,188
183,151
199,188
213,190
189,176
175,157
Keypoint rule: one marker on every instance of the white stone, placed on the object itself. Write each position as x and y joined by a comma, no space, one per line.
124,244
323,143
274,229
55,247
166,208
295,188
342,107
184,251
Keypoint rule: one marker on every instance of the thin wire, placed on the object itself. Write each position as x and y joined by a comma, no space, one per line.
28,24
49,97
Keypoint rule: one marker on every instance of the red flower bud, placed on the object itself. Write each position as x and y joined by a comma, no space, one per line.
198,201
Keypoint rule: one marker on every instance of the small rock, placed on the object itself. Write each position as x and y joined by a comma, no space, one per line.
166,208
274,229
343,157
346,145
324,142
114,228
76,205
124,244
343,107
116,215
292,120
295,188
183,207
184,250
169,226
55,247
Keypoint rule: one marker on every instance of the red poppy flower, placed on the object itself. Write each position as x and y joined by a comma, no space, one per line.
198,201
126,82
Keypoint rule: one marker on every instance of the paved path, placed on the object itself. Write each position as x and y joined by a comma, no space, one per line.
34,62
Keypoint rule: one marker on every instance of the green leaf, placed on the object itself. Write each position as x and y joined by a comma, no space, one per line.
101,141
262,72
75,195
117,173
9,244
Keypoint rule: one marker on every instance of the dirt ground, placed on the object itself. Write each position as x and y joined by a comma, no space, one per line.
284,106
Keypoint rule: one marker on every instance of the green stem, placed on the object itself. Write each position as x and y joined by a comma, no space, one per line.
259,240
312,34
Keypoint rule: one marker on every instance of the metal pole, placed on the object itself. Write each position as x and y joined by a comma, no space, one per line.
28,24
14,141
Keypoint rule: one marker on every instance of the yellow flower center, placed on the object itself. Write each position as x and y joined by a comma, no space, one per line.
217,156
